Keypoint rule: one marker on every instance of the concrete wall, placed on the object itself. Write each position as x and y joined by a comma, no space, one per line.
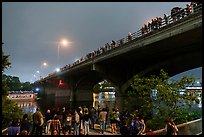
189,128
84,95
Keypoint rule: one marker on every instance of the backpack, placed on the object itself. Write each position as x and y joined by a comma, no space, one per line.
134,127
113,116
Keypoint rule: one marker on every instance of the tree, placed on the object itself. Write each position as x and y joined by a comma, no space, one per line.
14,83
9,109
158,97
5,62
26,86
5,65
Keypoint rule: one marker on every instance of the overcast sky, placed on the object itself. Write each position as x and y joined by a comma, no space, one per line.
31,31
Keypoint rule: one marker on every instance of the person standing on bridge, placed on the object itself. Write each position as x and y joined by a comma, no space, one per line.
129,36
166,18
113,44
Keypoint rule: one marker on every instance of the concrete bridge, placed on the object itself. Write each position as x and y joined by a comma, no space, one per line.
175,47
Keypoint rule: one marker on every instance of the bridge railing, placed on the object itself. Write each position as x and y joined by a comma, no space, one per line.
189,128
181,14
154,26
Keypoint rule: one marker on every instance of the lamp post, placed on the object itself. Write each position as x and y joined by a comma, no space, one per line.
43,65
64,42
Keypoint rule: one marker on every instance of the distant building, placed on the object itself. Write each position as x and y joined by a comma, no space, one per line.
197,91
103,99
21,95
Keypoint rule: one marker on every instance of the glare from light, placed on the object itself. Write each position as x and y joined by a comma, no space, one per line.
44,64
57,69
64,42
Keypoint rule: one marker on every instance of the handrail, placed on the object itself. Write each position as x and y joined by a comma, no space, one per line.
4,131
199,133
180,125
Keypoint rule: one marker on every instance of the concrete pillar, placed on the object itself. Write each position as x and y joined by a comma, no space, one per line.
120,100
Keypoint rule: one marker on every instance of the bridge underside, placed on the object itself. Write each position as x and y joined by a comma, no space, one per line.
175,49
175,55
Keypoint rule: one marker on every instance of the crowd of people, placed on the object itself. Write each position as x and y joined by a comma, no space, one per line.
176,14
80,120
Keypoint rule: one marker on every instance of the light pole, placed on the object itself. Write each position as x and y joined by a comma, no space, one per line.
43,65
64,42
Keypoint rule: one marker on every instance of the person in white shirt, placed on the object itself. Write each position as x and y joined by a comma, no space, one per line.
76,123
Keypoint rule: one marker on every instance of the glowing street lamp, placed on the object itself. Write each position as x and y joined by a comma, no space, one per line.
58,69
44,64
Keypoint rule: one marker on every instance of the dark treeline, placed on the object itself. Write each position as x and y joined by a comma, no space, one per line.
15,84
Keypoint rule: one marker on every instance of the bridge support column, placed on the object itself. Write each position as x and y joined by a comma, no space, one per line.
120,101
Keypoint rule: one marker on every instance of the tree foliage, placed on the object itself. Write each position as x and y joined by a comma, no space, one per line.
5,65
14,83
158,97
9,109
5,62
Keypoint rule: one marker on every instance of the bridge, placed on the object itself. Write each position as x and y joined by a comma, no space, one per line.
175,46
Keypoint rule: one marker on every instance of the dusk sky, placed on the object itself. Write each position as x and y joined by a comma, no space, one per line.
31,31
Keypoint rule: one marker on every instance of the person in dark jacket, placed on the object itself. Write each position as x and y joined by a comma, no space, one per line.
48,118
124,130
25,124
86,119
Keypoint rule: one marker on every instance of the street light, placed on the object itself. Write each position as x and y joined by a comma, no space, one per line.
43,65
64,42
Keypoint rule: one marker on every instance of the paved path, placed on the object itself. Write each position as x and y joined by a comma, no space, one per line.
96,131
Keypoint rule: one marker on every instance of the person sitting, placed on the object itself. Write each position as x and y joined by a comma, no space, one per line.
124,130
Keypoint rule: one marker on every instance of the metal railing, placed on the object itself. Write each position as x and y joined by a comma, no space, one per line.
5,131
188,128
